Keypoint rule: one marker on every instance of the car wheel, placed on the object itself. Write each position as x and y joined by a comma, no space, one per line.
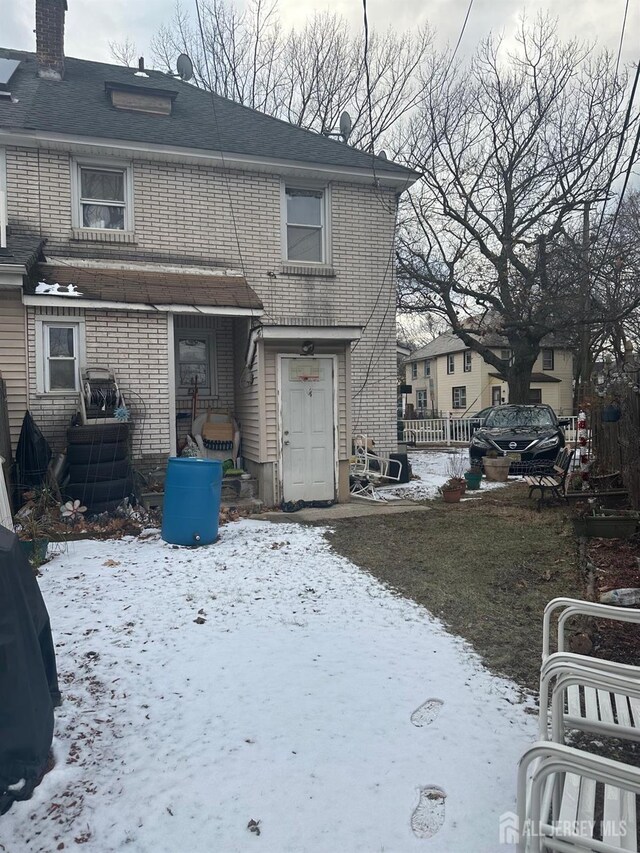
97,433
95,454
95,493
99,472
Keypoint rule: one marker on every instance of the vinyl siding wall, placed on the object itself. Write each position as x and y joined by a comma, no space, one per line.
479,383
13,360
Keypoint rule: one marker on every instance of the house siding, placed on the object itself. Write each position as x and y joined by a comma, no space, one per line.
13,360
479,383
194,212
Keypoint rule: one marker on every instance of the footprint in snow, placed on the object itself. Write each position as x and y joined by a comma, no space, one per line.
427,712
428,816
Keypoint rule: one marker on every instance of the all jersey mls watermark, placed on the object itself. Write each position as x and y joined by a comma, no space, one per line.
510,830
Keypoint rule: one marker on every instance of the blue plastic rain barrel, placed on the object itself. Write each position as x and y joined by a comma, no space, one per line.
192,494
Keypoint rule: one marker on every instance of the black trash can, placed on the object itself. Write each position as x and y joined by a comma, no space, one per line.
403,459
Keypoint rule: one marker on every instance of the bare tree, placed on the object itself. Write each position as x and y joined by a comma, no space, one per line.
124,52
512,149
308,76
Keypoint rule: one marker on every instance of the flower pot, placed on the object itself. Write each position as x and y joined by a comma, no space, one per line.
606,526
473,479
451,496
35,550
497,469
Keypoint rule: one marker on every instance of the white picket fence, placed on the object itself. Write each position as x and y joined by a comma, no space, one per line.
451,430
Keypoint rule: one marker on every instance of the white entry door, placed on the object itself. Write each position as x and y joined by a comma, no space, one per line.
307,429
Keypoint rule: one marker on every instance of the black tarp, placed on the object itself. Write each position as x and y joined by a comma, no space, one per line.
28,676
33,454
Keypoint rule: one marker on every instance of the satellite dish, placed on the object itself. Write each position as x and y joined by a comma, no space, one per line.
184,67
382,154
345,125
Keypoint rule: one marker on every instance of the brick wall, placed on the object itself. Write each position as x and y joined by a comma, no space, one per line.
186,211
132,343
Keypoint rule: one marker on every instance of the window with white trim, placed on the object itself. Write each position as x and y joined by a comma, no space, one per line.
459,397
414,370
451,363
60,346
427,368
102,197
421,401
195,363
306,233
506,355
547,359
467,361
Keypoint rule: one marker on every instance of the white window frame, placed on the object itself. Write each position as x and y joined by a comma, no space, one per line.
451,363
105,165
506,355
421,394
548,351
466,362
42,353
325,224
427,368
462,397
184,391
414,369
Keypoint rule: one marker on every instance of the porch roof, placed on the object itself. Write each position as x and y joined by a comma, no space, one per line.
158,289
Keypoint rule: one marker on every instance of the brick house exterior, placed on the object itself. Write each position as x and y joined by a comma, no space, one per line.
191,212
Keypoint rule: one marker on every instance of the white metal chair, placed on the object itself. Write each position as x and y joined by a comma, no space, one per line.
369,470
588,694
561,794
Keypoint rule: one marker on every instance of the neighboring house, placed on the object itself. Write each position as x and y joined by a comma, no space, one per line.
205,241
446,376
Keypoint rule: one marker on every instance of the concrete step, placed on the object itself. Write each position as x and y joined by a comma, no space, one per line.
234,488
245,505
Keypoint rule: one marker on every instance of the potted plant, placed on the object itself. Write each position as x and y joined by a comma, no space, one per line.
456,464
35,523
451,491
496,467
607,523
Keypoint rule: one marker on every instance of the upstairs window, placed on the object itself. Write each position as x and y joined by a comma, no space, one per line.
547,359
305,225
103,198
467,361
414,370
459,397
427,368
451,363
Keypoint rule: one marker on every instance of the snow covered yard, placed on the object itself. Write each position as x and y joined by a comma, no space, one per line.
262,679
431,467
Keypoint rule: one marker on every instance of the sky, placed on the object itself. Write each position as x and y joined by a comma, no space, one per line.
92,24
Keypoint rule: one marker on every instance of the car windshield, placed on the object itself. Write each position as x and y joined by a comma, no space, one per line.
514,417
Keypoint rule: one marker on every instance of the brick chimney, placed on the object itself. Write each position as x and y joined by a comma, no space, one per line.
50,38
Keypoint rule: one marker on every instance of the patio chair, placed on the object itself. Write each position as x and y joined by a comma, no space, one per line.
552,480
582,692
570,800
368,470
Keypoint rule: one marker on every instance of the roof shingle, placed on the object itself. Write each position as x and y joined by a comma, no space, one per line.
78,105
151,288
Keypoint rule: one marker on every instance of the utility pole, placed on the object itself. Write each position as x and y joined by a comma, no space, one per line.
585,336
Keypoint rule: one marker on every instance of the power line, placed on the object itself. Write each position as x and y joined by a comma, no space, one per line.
464,26
624,24
215,118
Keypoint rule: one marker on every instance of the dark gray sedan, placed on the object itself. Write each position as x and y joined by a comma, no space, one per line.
530,436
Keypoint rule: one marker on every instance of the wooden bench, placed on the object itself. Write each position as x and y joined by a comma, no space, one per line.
555,481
